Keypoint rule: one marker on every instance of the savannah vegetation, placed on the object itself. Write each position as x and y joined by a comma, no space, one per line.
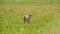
45,17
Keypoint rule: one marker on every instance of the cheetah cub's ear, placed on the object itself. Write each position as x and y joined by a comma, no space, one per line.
30,14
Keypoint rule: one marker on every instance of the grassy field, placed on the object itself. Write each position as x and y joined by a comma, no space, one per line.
45,16
29,1
45,19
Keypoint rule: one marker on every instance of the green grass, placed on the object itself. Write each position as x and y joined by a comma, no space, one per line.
45,19
29,1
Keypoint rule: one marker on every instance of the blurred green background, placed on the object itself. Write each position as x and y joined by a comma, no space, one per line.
45,16
32,1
